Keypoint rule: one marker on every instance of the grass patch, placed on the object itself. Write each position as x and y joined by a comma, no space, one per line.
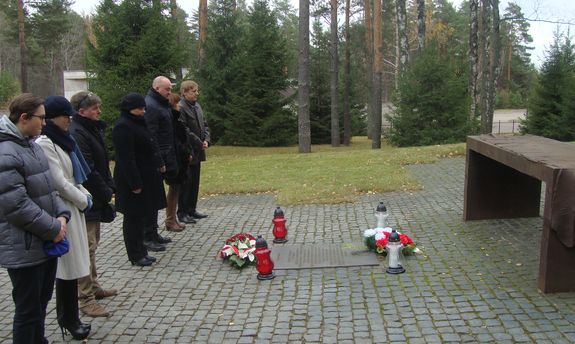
328,175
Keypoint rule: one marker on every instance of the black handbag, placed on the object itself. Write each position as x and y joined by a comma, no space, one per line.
108,213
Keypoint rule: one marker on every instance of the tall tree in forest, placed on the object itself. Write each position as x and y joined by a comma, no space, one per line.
320,104
377,74
178,37
334,80
402,40
519,72
473,56
23,50
494,63
485,57
203,22
260,116
129,50
50,22
552,105
347,79
420,25
304,131
369,64
221,71
288,19
433,102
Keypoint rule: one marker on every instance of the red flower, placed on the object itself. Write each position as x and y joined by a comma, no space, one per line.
381,242
405,240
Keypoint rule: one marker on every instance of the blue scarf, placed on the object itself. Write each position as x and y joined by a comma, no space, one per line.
64,140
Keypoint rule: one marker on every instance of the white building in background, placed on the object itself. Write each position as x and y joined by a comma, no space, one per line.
74,82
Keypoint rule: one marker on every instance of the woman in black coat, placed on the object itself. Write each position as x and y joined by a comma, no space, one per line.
139,188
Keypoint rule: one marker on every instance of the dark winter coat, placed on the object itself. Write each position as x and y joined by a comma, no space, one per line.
159,120
89,134
29,205
137,167
197,129
182,150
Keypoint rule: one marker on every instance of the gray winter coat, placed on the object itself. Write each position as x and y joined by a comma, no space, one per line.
29,206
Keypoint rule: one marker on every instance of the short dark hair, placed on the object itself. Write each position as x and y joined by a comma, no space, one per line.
24,103
84,100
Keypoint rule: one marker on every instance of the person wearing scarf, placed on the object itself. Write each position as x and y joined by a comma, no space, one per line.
69,170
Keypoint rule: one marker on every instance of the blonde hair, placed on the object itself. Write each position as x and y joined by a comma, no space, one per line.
187,85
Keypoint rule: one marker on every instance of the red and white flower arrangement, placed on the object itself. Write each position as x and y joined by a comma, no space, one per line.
239,250
376,240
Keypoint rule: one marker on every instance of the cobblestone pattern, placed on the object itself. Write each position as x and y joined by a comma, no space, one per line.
476,282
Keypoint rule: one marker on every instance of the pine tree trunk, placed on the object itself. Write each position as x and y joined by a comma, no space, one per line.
304,129
495,61
420,24
369,65
509,60
174,13
347,80
485,66
23,50
403,43
473,57
334,89
203,23
377,75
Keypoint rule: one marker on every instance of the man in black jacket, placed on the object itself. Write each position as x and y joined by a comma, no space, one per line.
88,131
159,121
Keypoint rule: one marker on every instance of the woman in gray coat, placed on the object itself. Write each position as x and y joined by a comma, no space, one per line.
31,214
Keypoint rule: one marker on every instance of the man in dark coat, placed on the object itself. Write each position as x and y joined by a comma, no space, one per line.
198,134
139,186
88,131
159,121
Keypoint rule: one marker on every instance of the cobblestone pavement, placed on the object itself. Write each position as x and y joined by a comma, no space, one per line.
475,283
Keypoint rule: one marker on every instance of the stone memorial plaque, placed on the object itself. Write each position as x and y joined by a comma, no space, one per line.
288,257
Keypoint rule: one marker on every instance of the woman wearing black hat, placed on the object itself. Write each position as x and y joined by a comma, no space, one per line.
139,188
69,170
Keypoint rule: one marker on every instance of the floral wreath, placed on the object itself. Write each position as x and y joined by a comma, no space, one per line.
376,239
239,250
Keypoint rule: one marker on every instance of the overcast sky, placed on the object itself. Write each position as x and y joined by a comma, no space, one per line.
542,33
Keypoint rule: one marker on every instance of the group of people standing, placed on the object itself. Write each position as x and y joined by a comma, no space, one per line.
56,186
159,137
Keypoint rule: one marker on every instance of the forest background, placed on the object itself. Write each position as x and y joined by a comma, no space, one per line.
247,59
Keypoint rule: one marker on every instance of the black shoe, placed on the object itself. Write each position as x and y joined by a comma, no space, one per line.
163,240
150,258
77,332
154,246
197,215
187,219
141,262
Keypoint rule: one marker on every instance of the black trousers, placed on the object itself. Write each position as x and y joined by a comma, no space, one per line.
151,226
188,199
32,290
133,229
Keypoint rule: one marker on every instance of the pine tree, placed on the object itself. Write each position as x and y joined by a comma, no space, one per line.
259,117
135,41
319,113
221,72
551,109
433,105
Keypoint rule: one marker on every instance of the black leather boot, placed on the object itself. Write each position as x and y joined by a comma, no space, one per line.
67,310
